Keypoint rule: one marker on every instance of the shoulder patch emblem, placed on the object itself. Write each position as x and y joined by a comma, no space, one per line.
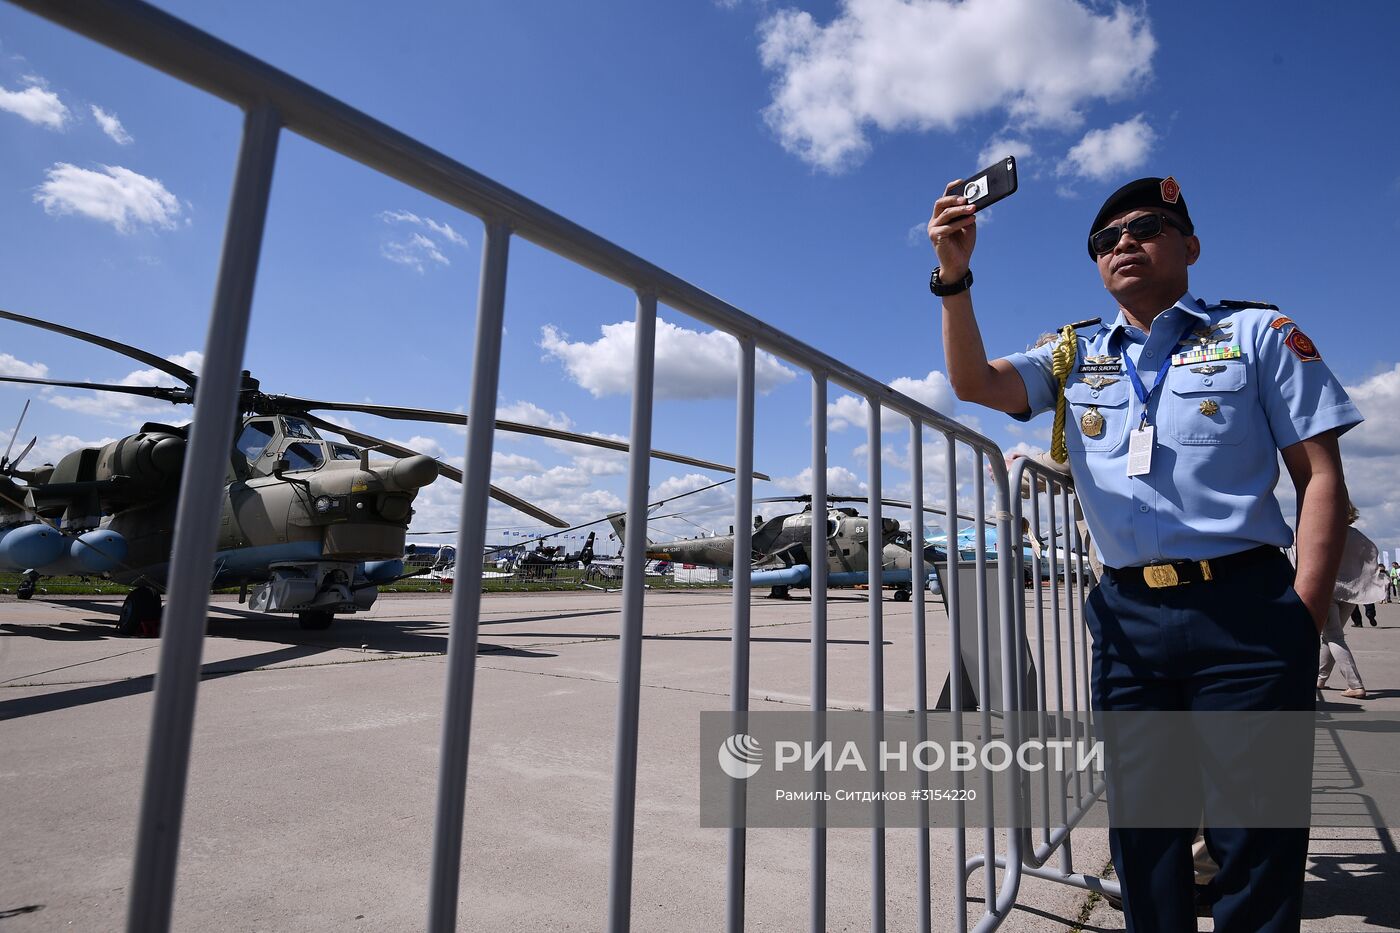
1280,322
1302,346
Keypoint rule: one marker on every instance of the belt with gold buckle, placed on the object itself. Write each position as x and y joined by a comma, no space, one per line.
1180,572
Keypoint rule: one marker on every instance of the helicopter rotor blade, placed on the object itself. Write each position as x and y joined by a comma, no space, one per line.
14,464
400,413
18,424
141,356
444,469
174,396
650,505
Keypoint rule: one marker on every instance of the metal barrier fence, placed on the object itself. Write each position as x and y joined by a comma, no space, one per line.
273,101
1053,506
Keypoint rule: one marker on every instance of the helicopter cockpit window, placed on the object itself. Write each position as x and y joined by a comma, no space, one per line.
295,427
341,452
254,438
303,457
831,527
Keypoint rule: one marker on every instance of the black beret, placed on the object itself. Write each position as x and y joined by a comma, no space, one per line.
1162,193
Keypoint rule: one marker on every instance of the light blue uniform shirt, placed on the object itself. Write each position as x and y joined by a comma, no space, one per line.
1210,491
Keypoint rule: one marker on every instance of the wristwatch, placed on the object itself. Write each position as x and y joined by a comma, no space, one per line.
944,289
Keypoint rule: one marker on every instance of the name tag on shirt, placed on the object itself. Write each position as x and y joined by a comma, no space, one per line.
1207,354
1140,451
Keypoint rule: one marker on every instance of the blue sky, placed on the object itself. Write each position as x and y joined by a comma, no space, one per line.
781,156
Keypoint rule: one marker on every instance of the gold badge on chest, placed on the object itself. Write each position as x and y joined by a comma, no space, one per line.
1209,407
1091,423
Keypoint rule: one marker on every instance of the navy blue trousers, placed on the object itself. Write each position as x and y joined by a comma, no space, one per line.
1242,643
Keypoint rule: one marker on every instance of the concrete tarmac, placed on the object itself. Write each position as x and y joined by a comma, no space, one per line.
315,763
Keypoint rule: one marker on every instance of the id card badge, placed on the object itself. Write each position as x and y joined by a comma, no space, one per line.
1140,450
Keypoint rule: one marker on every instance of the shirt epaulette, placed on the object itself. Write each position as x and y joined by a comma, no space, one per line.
1078,325
1231,303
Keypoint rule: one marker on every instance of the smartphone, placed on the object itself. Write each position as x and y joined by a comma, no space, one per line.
993,183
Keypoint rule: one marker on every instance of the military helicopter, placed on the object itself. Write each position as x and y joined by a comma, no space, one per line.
544,560
780,548
308,522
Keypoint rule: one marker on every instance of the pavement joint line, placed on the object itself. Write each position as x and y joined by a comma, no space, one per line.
223,671
611,682
53,670
11,684
657,637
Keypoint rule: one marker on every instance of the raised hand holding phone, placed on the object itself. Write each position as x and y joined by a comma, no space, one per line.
953,227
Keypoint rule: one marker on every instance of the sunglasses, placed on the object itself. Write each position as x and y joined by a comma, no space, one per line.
1140,228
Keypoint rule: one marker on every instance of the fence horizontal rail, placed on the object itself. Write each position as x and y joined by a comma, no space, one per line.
273,100
171,45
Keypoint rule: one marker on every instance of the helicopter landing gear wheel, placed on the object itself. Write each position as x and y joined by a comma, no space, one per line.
140,615
315,621
902,596
25,590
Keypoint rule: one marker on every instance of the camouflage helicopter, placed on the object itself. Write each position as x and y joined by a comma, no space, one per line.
781,548
309,523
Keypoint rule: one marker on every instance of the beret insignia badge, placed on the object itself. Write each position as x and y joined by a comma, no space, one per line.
1171,191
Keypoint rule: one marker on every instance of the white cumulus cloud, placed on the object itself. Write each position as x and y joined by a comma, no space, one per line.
894,65
111,126
690,364
10,366
999,147
504,464
115,195
417,249
527,412
933,390
36,104
1370,452
114,407
839,482
1105,153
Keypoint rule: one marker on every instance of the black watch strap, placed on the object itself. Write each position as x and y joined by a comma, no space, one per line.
944,289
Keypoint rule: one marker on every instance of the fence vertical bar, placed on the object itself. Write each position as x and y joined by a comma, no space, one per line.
1043,674
918,578
196,531
1071,578
817,913
1081,563
633,589
875,545
1055,549
984,669
955,677
446,869
739,644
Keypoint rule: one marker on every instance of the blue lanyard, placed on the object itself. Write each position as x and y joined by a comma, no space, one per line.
1143,393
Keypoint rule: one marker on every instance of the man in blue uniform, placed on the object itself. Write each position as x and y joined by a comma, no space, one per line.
1173,416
